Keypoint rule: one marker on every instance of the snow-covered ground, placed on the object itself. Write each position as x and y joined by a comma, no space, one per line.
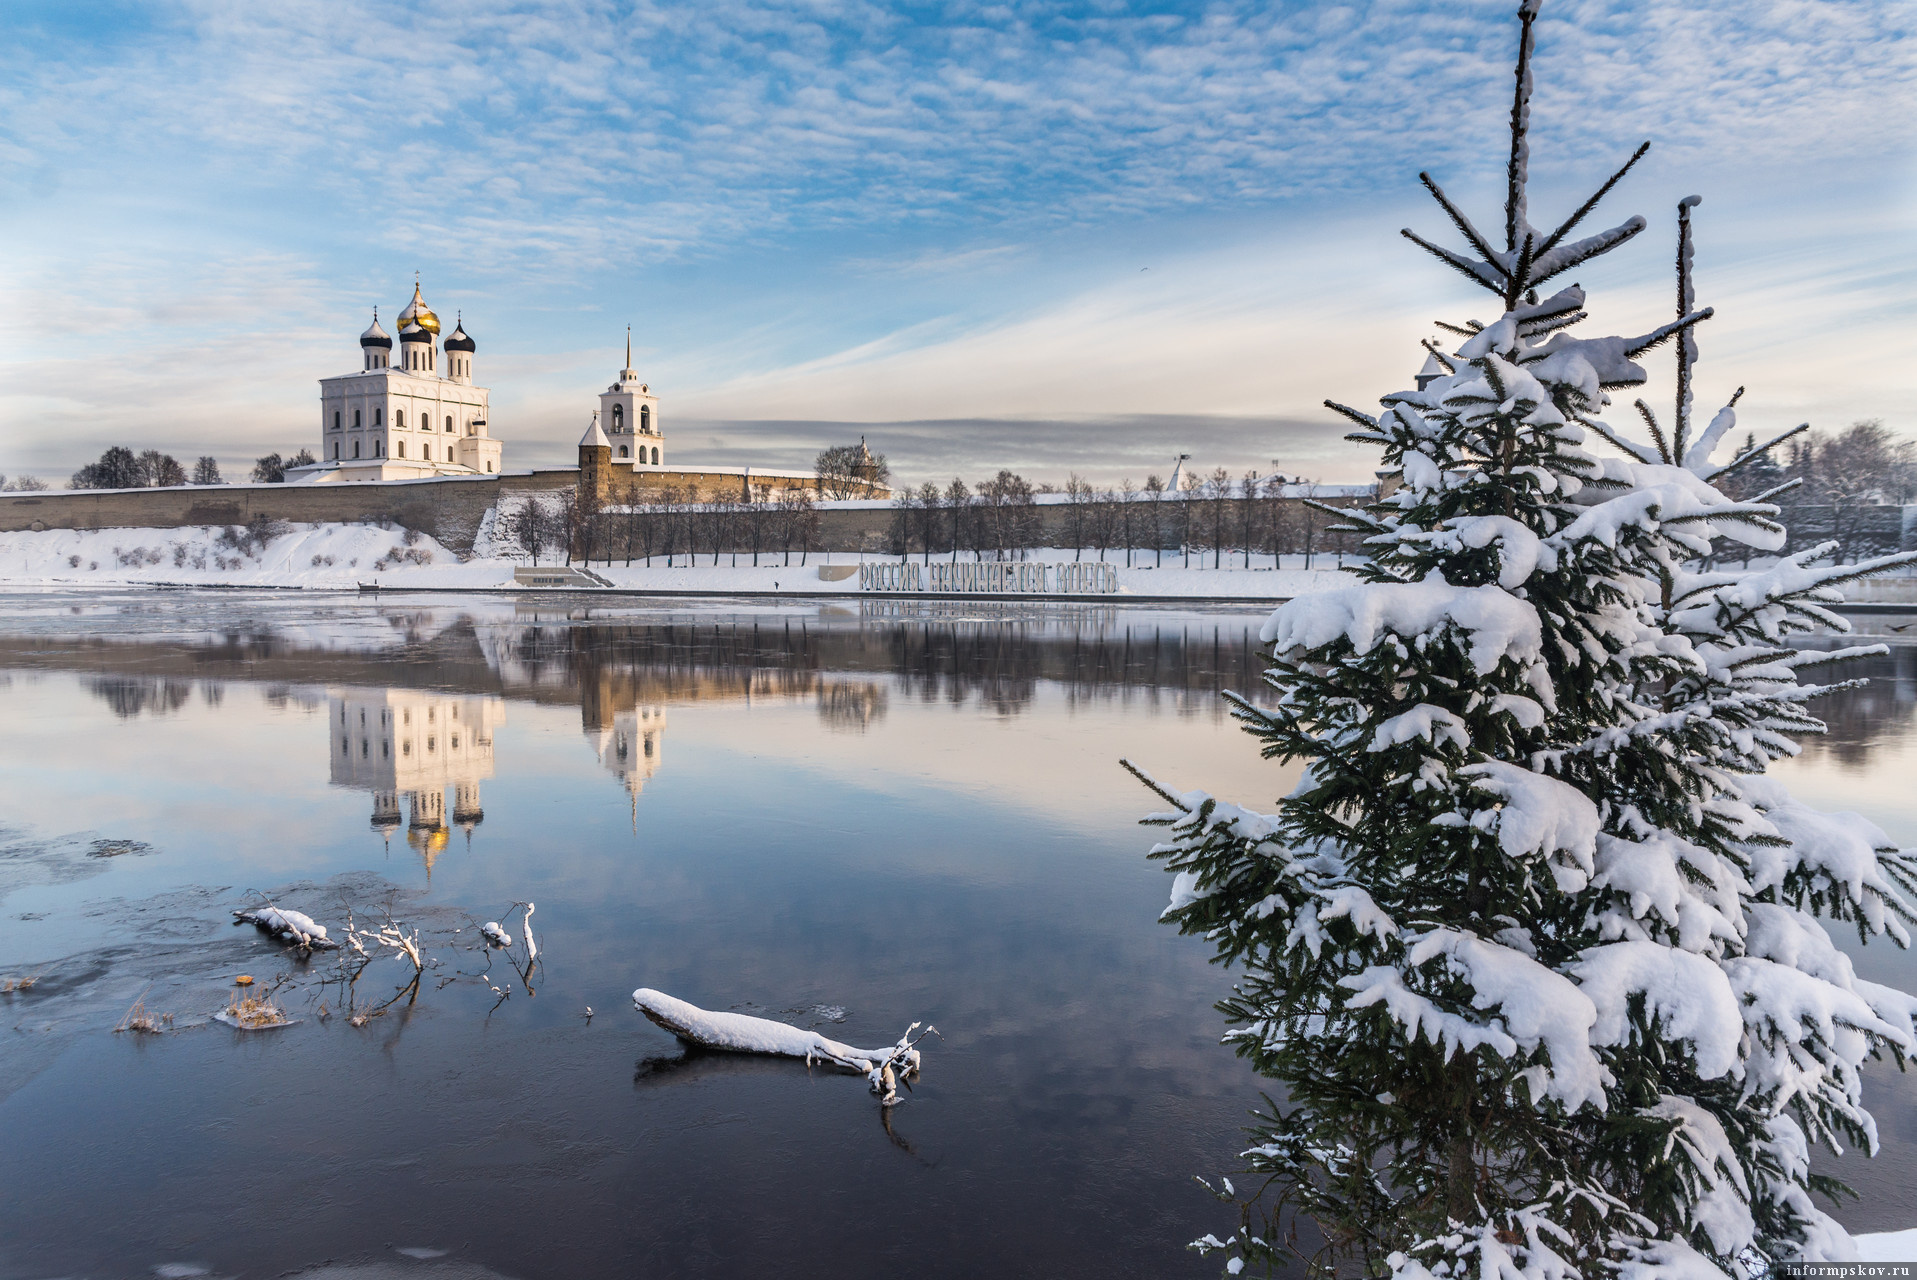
339,556
1888,1246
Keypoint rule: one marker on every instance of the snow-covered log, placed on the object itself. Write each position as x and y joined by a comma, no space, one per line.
742,1033
495,935
293,927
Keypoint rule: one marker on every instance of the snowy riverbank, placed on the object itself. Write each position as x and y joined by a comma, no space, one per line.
341,556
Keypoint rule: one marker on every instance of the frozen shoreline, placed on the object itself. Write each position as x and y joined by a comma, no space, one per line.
341,557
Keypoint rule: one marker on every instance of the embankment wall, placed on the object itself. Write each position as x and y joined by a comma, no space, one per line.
448,510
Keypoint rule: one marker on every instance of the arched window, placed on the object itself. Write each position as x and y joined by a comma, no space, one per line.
356,448
402,448
655,457
336,419
645,418
622,448
489,466
426,452
449,422
399,419
379,414
336,451
356,419
379,448
618,420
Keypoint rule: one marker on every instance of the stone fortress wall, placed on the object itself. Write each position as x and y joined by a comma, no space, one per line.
448,509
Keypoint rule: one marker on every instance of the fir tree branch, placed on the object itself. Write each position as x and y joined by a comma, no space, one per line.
1663,333
1748,454
1153,785
1358,416
1795,482
1487,274
1469,329
1458,219
1635,451
1551,241
1518,175
1657,433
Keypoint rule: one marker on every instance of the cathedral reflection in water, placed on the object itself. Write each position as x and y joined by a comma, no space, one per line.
401,742
414,746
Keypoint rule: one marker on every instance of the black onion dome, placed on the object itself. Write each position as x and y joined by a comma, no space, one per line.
376,336
460,340
414,333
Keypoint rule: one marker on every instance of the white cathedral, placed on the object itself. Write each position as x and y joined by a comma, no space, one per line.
410,418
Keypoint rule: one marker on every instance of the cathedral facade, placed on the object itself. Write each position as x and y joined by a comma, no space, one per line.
406,414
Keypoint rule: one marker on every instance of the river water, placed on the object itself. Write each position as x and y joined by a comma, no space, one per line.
845,818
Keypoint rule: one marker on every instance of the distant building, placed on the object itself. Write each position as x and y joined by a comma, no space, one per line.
629,412
407,417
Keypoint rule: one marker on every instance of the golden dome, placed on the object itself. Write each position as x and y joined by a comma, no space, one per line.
417,312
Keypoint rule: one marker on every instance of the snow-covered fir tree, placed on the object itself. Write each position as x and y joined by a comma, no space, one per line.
1532,949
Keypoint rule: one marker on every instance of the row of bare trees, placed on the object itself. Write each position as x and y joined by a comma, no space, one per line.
1227,518
760,525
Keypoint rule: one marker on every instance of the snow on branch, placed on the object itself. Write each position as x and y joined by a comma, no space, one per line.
885,1068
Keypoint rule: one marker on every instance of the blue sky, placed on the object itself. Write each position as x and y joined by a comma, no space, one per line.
1069,236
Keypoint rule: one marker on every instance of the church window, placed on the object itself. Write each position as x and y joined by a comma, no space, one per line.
356,448
399,419
356,419
379,414
619,420
379,448
622,450
645,417
402,448
336,451
449,422
426,452
655,457
489,466
336,419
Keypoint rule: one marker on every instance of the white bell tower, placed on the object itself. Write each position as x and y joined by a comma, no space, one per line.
629,414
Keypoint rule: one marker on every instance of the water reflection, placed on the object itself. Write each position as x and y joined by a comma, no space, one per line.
902,810
400,743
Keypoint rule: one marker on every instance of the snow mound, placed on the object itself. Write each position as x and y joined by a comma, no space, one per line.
1497,624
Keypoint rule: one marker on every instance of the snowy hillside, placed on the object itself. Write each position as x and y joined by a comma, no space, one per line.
339,556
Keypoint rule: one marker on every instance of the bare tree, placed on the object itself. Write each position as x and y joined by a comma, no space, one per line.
207,470
1248,514
1128,517
958,506
1218,513
849,470
1078,498
1155,494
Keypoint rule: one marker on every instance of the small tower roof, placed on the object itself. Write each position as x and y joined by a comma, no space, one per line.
1432,369
458,339
376,336
594,437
